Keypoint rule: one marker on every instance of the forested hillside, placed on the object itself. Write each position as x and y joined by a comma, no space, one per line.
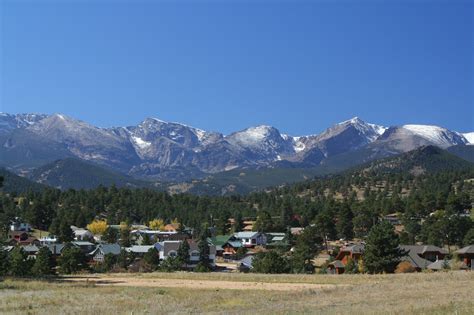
341,206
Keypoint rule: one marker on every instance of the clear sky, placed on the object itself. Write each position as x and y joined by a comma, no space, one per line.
226,65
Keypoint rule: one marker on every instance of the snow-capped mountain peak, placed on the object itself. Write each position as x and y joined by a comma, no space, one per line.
469,137
437,135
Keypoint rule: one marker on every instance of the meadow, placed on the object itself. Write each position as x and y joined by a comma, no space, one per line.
193,293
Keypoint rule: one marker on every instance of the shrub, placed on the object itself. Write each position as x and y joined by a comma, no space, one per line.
405,267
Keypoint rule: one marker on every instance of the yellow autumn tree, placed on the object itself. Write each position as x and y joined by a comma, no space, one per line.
175,223
98,227
157,224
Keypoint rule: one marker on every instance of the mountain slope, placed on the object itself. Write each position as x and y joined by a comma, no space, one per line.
78,174
427,159
18,184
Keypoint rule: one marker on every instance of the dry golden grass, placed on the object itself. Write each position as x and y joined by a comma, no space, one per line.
420,293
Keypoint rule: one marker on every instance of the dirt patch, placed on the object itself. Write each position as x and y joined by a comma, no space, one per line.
198,284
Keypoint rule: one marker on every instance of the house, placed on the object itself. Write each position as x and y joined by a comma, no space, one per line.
157,236
84,246
55,249
352,251
98,254
226,245
277,240
231,247
444,264
251,239
392,219
421,256
246,263
20,226
81,234
139,250
30,250
248,225
169,249
21,238
172,227
46,240
336,267
466,254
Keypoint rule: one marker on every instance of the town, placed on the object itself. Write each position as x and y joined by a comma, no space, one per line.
100,247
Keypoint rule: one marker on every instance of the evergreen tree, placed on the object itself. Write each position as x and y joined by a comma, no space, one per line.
344,226
125,236
19,264
109,262
44,263
183,252
469,238
382,252
152,258
270,262
306,248
66,234
110,235
4,262
72,260
204,252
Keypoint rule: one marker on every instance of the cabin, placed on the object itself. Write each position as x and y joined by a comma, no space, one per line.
98,254
251,239
466,254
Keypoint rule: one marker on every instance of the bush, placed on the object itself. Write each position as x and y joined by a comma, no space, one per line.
405,267
270,262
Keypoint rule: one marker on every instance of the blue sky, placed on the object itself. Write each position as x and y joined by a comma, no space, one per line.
226,65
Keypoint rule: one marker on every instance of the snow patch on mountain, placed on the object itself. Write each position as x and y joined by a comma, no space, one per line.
469,137
439,136
142,144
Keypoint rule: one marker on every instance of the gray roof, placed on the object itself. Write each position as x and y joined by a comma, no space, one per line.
246,234
439,265
247,261
30,248
355,248
413,256
466,250
141,249
107,249
82,243
55,249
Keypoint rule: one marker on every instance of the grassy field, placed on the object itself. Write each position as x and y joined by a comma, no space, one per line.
191,293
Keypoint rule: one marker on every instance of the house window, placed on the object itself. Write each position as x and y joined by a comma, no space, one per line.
172,253
254,241
195,253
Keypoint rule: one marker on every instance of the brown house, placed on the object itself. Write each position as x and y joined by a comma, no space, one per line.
466,254
21,238
353,252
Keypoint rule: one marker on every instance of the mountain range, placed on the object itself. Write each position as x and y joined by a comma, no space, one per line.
155,150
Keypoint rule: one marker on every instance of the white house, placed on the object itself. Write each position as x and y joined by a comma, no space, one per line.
251,239
81,234
170,249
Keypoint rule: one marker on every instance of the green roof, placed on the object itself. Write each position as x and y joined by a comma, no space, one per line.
220,240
